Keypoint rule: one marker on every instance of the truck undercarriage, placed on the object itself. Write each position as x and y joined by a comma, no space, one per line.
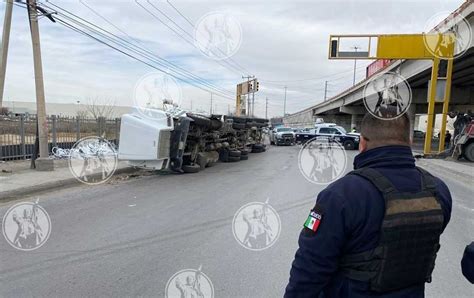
188,142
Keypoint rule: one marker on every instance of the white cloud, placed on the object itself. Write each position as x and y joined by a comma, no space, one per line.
282,40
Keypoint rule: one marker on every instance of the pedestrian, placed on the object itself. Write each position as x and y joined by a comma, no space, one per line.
447,140
467,263
374,232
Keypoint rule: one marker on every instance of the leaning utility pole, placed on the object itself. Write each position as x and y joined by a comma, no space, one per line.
44,162
5,42
284,104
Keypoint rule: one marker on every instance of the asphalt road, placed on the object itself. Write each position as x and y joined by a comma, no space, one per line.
128,237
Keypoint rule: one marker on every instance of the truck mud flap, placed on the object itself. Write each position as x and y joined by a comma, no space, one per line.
178,143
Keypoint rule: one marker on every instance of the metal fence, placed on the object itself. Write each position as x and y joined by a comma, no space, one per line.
18,133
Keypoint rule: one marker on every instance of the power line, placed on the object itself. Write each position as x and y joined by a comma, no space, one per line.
149,51
133,48
78,30
233,68
192,24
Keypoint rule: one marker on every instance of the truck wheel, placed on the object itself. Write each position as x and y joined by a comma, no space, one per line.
238,125
200,120
469,152
234,153
244,152
233,158
224,155
349,145
191,168
201,160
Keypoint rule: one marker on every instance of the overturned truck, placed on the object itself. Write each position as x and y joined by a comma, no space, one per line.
187,142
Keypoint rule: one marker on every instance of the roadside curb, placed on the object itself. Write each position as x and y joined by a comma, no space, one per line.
53,185
449,172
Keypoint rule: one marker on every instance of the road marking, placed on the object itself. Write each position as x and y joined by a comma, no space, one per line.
132,205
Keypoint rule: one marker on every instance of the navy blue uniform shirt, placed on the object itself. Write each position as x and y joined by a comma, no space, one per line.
467,263
352,213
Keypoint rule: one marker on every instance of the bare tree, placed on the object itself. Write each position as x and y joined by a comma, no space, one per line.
82,114
98,107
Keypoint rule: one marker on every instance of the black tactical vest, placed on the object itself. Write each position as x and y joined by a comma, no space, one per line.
409,237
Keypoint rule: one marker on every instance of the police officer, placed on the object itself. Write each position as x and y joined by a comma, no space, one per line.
467,263
374,232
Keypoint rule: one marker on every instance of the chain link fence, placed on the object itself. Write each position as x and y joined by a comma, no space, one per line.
18,133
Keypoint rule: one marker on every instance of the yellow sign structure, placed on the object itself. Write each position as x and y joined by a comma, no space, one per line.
435,47
244,88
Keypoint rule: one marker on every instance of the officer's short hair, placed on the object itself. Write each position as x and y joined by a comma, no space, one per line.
380,132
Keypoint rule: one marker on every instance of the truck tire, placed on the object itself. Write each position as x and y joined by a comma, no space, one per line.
233,159
238,125
201,160
235,153
349,145
258,148
200,120
191,168
469,152
216,124
224,155
244,157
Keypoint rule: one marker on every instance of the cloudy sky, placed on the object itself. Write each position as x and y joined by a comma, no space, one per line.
282,43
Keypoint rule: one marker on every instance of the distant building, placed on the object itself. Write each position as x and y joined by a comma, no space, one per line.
59,109
276,121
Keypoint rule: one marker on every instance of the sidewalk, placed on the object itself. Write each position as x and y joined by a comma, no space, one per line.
462,171
17,179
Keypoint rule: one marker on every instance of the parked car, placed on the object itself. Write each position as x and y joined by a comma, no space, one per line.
350,141
282,136
418,134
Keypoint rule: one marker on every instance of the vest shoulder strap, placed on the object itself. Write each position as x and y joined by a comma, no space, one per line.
378,180
427,180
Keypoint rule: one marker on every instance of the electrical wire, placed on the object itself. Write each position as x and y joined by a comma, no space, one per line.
136,50
172,65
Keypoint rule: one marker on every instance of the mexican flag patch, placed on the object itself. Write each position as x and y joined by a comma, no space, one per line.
313,221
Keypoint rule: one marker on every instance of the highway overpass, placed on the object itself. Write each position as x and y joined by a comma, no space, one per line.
347,108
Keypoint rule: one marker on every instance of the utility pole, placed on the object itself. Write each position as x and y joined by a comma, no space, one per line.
325,90
266,107
210,110
355,64
284,104
44,163
253,101
7,22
